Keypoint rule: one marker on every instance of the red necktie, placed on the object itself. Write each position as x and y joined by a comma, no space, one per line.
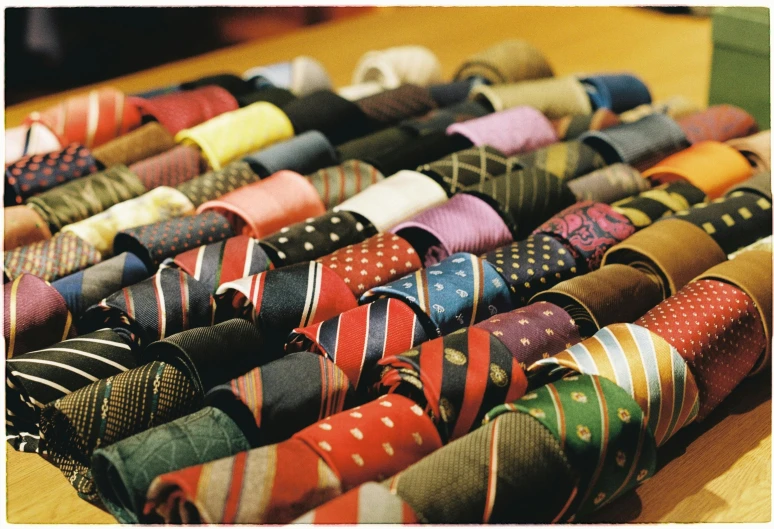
182,110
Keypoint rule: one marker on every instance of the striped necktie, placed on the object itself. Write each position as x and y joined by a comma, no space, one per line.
340,182
52,259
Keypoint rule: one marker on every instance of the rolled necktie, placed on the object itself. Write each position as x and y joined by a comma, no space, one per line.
23,226
525,197
354,92
570,127
533,332
316,237
340,120
375,145
601,431
80,199
279,97
397,66
750,272
618,92
733,221
759,183
278,301
83,289
303,154
587,229
231,135
303,75
90,119
156,242
393,106
146,141
532,265
123,470
511,131
395,199
350,508
357,339
457,292
214,184
456,379
264,207
40,172
671,253
182,110
441,118
611,294
452,93
506,62
110,410
555,97
300,473
52,259
223,261
676,107
756,148
162,305
465,223
567,159
609,184
469,168
171,168
35,316
641,144
717,330
718,123
234,84
157,205
711,166
373,262
338,183
39,377
641,362
29,139
661,201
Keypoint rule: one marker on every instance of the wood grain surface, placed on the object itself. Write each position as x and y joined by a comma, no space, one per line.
717,471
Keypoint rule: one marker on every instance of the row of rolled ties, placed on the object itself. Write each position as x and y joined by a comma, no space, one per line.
333,400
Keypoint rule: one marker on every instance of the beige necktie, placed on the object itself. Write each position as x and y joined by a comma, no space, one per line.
506,62
675,107
556,97
756,148
393,67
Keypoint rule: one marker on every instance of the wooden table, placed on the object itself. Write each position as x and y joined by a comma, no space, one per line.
717,471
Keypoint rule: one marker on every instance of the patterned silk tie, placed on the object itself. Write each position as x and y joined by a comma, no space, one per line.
618,92
149,140
570,127
457,292
80,199
215,184
733,221
35,316
555,97
609,184
718,123
30,139
303,154
640,362
358,338
171,168
91,119
567,159
162,305
156,242
511,131
759,183
229,136
39,377
264,207
373,262
23,226
456,379
34,174
463,224
469,169
341,182
224,261
756,148
395,199
83,289
316,237
711,166
183,110
641,144
508,61
661,201
60,256
397,66
393,106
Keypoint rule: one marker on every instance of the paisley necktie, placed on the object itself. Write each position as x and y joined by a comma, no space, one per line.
609,184
469,168
149,140
338,183
373,262
182,110
215,184
60,256
303,154
508,61
457,292
718,123
618,92
171,168
555,97
567,159
661,201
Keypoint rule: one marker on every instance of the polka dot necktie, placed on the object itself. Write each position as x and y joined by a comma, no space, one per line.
171,168
647,207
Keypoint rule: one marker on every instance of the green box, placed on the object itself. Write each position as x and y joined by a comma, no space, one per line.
740,60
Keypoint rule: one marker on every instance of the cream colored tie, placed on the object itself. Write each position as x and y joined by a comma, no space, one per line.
554,97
